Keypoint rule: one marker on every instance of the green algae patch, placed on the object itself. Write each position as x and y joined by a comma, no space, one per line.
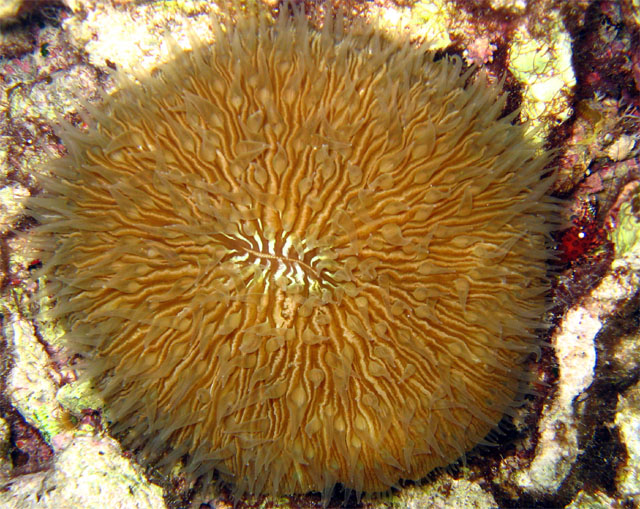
626,236
78,396
543,66
49,424
30,386
433,18
428,20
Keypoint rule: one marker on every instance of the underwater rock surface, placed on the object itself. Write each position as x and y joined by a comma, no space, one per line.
575,69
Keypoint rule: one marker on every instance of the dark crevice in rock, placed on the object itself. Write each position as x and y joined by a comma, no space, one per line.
603,450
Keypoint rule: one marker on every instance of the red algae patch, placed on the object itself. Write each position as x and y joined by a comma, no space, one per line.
300,258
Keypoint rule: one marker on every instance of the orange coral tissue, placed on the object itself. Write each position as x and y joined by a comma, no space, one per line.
300,258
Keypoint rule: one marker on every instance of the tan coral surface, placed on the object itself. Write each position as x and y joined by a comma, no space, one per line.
303,258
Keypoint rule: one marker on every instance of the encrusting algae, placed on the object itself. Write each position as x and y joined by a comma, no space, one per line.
300,257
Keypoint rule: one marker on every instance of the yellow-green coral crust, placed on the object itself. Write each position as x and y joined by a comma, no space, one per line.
626,237
543,66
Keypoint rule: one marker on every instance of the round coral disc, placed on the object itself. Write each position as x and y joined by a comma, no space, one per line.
302,258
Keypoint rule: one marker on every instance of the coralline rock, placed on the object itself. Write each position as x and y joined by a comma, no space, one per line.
445,493
538,55
626,357
620,149
78,396
11,204
558,443
5,444
9,10
63,90
41,81
543,66
432,17
599,131
515,6
138,37
626,238
585,500
87,472
29,385
575,344
427,20
12,10
628,422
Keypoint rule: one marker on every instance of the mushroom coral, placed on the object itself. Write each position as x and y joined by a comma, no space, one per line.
300,257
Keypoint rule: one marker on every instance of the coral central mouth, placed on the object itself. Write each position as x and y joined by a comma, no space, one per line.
285,260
